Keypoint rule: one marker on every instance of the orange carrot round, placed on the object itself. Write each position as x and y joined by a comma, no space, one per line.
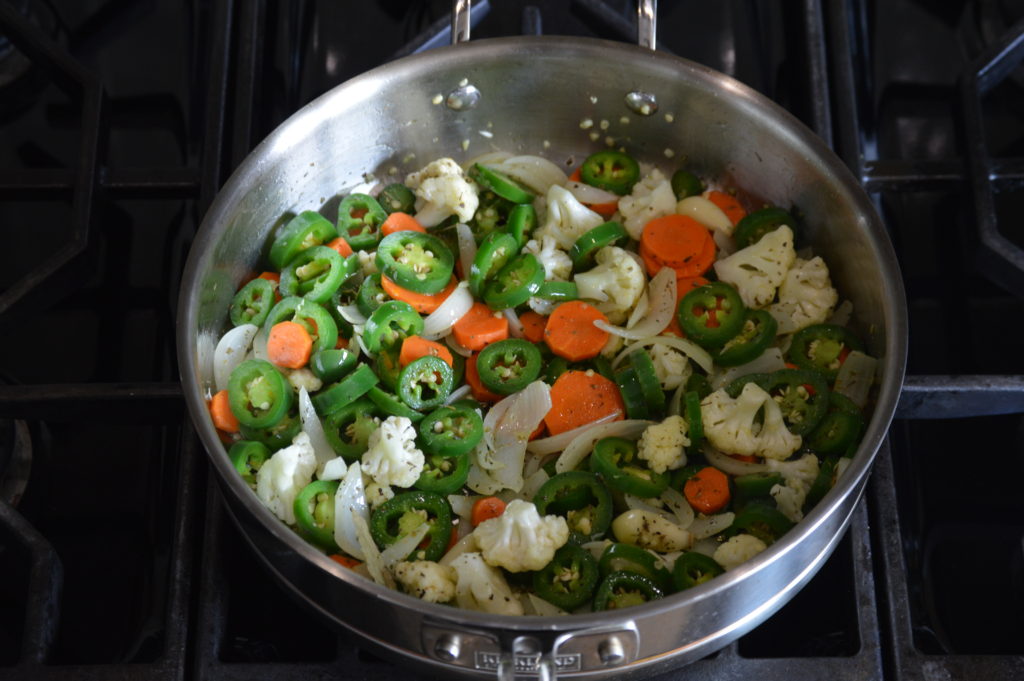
485,509
401,222
341,246
582,397
289,345
480,326
421,302
708,490
533,326
414,347
571,334
729,204
221,414
345,561
477,388
679,242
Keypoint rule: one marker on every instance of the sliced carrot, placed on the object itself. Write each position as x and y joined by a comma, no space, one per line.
729,204
421,302
708,490
479,391
480,326
289,345
220,411
401,222
533,326
341,343
341,246
485,509
345,561
571,334
414,347
683,286
538,432
275,279
582,397
605,210
679,242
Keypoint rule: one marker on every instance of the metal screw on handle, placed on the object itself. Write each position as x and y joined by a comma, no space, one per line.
460,20
646,23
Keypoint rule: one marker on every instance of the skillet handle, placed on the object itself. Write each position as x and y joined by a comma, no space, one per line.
646,23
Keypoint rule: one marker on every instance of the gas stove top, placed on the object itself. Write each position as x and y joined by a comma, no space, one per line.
119,122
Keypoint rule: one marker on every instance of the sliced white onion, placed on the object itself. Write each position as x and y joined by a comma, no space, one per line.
662,292
362,345
536,172
401,549
684,345
725,244
486,158
708,526
534,482
679,506
768,361
440,322
556,443
230,352
586,193
642,307
457,394
507,429
706,213
582,444
312,427
351,314
480,480
373,560
856,376
635,503
596,547
462,505
467,247
706,546
465,545
259,344
456,347
675,404
350,503
730,465
515,327
542,607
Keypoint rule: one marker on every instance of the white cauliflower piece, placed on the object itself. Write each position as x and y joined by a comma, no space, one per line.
479,586
391,457
806,296
738,550
661,445
615,284
304,378
671,366
520,539
651,197
283,476
367,262
433,582
442,189
798,477
757,270
556,263
731,425
567,219
377,494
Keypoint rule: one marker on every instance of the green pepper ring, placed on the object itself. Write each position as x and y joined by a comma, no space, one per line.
383,522
699,323
257,379
615,460
425,374
252,303
314,515
610,170
632,587
569,580
692,569
745,347
520,358
419,262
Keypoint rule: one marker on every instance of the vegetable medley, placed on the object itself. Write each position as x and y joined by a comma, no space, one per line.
514,391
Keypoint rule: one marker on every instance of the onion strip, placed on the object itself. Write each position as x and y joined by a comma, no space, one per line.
726,463
582,444
349,503
230,352
662,293
439,322
683,345
556,443
401,549
312,427
467,247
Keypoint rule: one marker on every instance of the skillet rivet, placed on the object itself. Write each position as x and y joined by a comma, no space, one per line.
462,98
643,103
447,648
611,652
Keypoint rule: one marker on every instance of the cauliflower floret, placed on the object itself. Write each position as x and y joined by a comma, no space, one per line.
479,586
367,262
757,270
671,366
556,263
284,475
442,189
391,457
738,550
520,539
616,283
433,582
731,424
661,445
798,476
652,197
304,378
806,296
567,219
376,494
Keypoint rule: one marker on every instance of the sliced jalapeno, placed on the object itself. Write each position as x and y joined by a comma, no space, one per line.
315,274
611,170
501,184
397,198
312,316
521,222
359,221
755,485
314,512
390,404
495,251
647,376
615,460
761,520
711,314
416,261
802,395
252,303
276,436
348,428
345,391
425,383
491,215
684,183
258,394
619,557
582,499
837,432
509,365
823,348
371,295
753,226
754,337
625,589
451,430
389,324
694,568
333,364
585,247
248,456
443,473
515,283
569,580
405,513
694,420
632,393
558,291
305,230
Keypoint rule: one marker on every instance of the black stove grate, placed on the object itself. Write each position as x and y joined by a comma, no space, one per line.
184,597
